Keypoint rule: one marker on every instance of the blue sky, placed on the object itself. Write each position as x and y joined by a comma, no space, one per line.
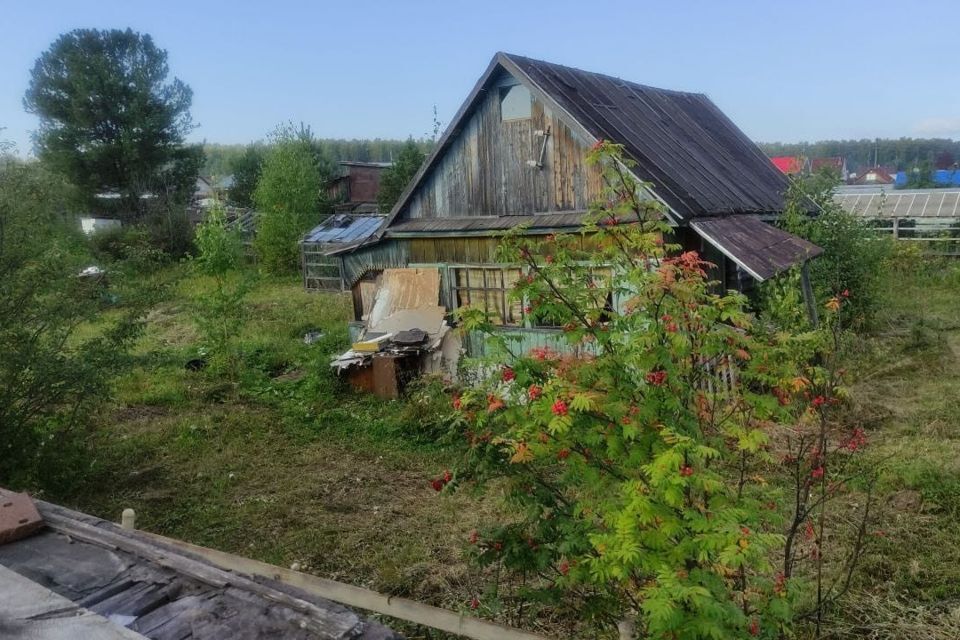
781,70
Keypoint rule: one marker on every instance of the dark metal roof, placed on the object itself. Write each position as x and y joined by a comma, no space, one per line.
473,224
344,228
759,248
699,162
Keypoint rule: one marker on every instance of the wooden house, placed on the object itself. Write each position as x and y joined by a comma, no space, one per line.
355,186
515,154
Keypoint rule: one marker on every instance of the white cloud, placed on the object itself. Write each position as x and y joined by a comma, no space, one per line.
948,127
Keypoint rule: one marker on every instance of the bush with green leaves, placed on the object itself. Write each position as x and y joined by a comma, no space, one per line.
58,354
130,248
634,472
854,256
289,199
395,179
220,310
246,169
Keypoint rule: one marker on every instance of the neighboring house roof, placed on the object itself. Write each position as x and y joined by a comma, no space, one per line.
836,163
207,186
788,165
874,175
344,166
760,249
344,228
697,160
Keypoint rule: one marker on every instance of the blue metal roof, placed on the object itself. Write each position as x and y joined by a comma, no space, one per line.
344,228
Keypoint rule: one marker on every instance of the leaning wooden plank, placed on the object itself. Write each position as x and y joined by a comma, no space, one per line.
325,623
358,597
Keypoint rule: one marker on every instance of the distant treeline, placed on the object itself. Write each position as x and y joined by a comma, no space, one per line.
219,157
902,153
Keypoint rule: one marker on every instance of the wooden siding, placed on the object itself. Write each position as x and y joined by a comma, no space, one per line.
485,170
478,250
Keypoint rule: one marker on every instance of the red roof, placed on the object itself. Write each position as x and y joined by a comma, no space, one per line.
788,164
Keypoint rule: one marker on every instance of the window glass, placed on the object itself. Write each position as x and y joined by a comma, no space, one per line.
489,289
515,102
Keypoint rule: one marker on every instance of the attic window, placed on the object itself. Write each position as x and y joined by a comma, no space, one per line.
515,103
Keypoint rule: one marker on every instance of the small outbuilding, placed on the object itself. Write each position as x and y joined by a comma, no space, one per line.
322,247
354,188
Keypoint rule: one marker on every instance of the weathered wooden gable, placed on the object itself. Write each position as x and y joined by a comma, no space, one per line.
486,170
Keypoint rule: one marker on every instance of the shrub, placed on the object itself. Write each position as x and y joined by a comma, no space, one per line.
220,309
633,474
854,256
131,245
288,198
52,374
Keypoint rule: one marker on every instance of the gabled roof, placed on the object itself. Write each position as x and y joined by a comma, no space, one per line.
697,160
874,175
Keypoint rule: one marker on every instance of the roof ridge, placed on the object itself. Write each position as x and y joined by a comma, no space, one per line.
632,84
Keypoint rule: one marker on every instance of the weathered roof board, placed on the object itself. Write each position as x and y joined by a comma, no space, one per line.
933,203
344,228
163,594
29,611
699,161
760,249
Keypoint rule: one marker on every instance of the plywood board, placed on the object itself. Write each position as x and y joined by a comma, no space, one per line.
400,289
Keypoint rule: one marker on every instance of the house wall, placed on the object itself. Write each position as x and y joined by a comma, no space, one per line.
485,170
364,183
359,185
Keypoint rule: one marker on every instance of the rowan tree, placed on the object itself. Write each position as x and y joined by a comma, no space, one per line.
634,463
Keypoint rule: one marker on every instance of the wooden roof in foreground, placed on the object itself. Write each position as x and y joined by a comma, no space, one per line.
111,577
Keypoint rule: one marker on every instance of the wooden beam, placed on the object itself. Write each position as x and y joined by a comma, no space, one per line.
808,297
401,608
325,623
